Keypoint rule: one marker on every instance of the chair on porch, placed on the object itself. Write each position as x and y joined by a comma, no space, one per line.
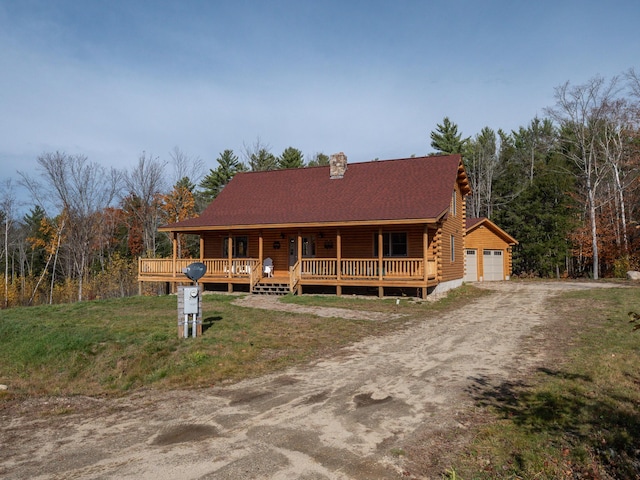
268,267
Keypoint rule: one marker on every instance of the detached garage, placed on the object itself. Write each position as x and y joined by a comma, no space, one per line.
487,251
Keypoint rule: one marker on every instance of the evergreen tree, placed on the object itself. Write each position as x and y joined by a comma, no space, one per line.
446,139
213,183
541,218
291,158
533,201
262,160
36,254
319,160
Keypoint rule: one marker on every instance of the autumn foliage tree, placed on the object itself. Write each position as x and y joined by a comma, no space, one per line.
177,205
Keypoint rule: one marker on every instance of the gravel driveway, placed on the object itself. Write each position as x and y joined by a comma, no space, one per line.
345,417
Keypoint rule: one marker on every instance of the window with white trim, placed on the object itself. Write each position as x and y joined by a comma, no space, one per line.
454,203
453,249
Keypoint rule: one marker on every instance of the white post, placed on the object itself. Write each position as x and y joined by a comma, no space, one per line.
186,325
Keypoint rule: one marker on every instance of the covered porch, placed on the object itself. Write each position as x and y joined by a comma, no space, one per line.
309,257
406,272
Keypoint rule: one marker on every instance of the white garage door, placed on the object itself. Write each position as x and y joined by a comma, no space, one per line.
471,265
493,261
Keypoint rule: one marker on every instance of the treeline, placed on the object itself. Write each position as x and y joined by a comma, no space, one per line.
88,224
564,185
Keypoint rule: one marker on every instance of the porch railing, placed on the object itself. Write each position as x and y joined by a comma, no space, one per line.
294,275
307,268
318,267
216,267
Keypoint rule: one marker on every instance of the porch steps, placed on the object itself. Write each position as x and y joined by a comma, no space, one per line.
271,288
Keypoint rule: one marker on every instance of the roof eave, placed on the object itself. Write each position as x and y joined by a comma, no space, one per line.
496,229
258,226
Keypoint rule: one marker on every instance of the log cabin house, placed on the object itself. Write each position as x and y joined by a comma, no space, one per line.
380,225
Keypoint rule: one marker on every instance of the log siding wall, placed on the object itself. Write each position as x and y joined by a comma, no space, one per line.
453,226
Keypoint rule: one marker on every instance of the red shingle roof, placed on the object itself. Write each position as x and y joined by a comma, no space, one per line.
410,188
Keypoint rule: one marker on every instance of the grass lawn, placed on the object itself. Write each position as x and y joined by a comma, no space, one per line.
114,346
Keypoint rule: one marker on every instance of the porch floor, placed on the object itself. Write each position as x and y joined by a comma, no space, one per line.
278,277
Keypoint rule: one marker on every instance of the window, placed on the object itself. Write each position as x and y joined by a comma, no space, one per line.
453,248
240,247
309,247
454,203
394,244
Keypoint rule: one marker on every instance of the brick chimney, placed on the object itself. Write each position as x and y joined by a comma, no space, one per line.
337,165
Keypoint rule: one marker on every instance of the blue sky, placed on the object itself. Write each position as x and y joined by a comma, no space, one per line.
110,79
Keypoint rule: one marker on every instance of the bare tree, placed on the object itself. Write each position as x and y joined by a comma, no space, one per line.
581,111
7,211
80,190
259,157
616,131
144,184
186,166
481,162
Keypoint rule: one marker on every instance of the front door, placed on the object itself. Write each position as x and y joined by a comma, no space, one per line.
308,248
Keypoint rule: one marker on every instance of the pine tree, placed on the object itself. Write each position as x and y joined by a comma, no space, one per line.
446,139
319,160
262,160
291,158
213,183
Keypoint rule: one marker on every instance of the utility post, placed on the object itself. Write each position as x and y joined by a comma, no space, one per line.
190,302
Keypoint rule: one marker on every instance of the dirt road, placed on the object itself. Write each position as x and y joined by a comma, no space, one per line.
347,417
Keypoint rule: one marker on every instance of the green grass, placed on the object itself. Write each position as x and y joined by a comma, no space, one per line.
576,418
114,346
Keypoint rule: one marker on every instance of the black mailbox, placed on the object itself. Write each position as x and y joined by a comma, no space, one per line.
195,271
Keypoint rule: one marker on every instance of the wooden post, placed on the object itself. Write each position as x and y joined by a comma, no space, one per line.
229,255
299,286
339,262
380,252
260,249
425,259
201,248
174,240
230,262
139,271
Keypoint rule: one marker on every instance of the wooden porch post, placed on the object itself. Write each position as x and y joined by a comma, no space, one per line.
380,249
299,258
201,248
229,261
174,241
339,260
260,247
425,260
